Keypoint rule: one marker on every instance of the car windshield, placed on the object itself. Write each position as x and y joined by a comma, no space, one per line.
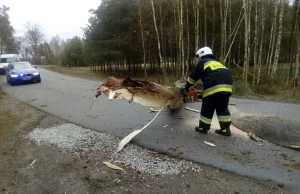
22,66
7,60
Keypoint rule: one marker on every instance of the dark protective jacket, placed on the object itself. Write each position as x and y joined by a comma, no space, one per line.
216,77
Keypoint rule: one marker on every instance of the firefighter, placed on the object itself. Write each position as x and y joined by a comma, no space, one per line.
217,88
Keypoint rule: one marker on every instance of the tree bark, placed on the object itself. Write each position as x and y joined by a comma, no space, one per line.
214,25
143,40
176,55
247,8
260,57
234,33
297,63
273,34
293,36
188,37
205,23
196,15
158,42
182,40
278,44
255,43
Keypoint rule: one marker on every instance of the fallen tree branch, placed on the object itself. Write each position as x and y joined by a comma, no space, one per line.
129,137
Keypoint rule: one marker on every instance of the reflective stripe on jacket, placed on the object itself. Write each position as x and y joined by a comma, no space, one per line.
214,75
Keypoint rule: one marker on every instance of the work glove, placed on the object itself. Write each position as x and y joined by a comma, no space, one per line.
183,92
187,87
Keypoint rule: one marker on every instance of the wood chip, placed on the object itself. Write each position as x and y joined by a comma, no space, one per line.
92,103
194,110
112,166
210,144
155,110
297,147
165,126
253,137
32,163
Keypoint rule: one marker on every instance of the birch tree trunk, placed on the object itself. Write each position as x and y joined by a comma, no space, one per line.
297,64
247,8
177,39
143,40
182,39
273,34
158,42
293,35
205,23
188,37
223,15
260,59
255,43
230,31
234,33
214,25
196,15
278,44
222,30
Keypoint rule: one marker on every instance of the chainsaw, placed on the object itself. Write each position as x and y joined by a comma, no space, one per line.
191,96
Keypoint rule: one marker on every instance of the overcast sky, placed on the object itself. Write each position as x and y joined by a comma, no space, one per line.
62,17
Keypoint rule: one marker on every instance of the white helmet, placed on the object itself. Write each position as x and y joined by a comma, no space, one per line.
204,51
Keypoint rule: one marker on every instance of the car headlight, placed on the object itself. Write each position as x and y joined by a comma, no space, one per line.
36,73
14,75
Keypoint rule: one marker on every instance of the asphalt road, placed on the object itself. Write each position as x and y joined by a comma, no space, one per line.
69,98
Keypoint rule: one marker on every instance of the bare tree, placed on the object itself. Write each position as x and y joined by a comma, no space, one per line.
56,47
297,63
272,41
205,23
234,33
278,44
223,15
214,24
34,36
293,36
158,41
247,8
197,18
182,39
188,36
260,60
143,39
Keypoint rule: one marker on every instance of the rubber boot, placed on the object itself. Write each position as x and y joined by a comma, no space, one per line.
224,132
200,130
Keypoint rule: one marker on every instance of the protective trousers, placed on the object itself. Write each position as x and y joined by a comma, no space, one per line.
218,102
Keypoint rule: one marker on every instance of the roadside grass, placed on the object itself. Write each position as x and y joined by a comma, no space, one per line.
274,92
7,119
82,72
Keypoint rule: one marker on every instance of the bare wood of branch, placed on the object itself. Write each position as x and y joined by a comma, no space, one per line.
129,137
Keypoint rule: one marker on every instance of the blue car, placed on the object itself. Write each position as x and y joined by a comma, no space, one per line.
20,72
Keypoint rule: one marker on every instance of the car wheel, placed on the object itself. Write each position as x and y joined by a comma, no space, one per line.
8,81
39,81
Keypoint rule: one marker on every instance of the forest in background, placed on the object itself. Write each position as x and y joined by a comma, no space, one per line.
259,40
255,35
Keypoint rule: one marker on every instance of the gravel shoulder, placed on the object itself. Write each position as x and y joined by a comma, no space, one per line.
41,153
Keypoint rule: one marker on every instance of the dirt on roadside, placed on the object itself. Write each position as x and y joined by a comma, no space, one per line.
29,168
